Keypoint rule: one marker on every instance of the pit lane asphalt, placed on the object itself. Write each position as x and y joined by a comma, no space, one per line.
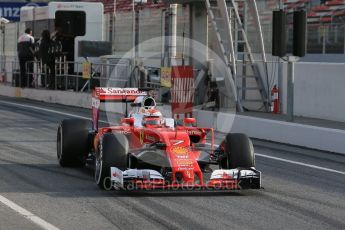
294,196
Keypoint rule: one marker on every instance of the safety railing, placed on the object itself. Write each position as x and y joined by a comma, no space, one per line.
67,75
73,76
9,68
62,76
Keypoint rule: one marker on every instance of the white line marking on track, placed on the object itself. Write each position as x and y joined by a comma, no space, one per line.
257,154
48,110
300,163
297,163
43,109
28,215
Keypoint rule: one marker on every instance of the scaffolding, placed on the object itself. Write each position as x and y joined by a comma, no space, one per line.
246,70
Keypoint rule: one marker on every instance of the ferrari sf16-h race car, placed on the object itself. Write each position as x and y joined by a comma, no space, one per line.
148,151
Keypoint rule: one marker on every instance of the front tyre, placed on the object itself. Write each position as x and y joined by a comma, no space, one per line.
238,151
112,152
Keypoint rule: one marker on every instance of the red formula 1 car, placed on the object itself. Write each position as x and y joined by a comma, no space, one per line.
148,151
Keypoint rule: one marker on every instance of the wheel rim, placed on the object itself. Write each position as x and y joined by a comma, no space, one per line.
98,166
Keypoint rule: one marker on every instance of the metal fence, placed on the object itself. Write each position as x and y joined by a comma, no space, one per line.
116,72
64,76
9,69
68,75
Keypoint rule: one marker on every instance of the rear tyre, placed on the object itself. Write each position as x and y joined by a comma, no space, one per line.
73,142
113,151
239,151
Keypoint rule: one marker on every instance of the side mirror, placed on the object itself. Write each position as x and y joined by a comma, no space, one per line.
189,121
128,120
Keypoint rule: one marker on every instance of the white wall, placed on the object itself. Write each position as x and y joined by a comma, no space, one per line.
319,90
309,136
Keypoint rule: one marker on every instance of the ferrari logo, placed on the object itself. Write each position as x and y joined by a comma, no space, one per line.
141,136
188,174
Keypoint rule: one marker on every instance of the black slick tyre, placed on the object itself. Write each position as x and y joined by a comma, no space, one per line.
73,142
112,152
238,151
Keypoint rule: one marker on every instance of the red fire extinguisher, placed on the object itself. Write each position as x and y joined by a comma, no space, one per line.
275,100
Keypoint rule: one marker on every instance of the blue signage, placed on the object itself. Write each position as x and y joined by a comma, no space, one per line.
11,10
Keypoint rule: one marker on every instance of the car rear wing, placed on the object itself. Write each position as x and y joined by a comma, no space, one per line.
118,94
111,94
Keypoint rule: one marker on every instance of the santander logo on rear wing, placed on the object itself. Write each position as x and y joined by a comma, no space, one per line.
118,94
104,94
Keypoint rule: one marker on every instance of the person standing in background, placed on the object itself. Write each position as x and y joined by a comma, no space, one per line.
26,54
47,57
